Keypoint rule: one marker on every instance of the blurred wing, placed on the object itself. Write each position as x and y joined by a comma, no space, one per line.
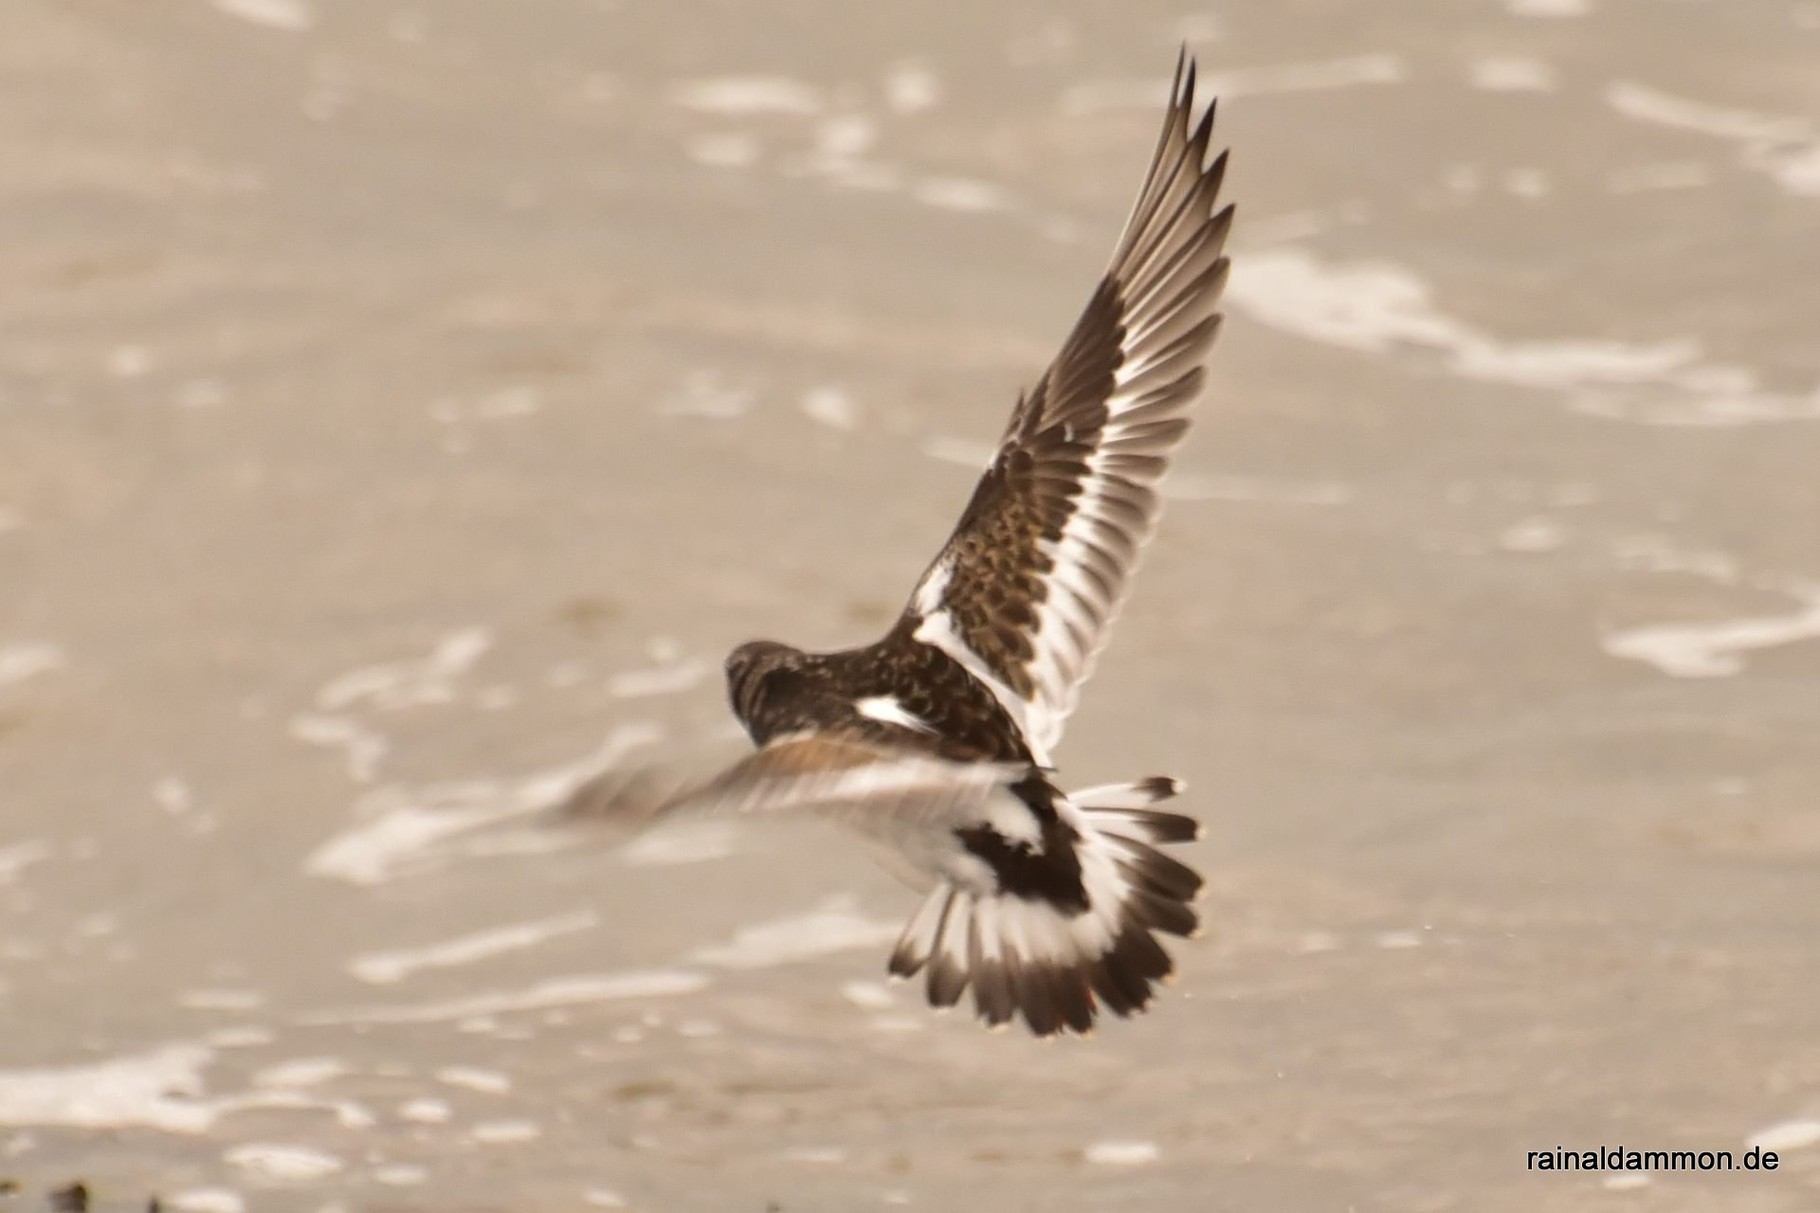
811,775
1025,593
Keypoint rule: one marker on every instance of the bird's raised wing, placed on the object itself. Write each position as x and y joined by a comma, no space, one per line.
1026,590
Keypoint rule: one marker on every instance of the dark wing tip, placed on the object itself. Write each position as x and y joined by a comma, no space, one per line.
1162,787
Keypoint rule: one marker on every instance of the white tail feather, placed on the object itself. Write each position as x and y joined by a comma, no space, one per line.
1059,965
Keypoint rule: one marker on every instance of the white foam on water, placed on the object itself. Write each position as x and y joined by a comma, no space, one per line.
173,795
400,1174
403,829
504,1132
382,968
1122,1153
1527,183
1375,308
244,1037
208,1200
868,995
1242,82
1724,409
405,684
1396,941
833,926
1378,308
221,1000
681,842
911,87
1548,8
362,748
1787,1135
748,95
1716,649
832,407
507,404
724,149
670,679
1664,109
816,1155
295,16
158,1089
1798,171
19,856
273,1162
28,660
1785,149
578,990
1192,486
1625,1183
1513,74
961,194
705,394
425,1111
845,136
300,1072
603,1198
1537,534
473,1078
1658,554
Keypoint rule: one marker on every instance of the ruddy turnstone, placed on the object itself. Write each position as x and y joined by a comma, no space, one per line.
936,740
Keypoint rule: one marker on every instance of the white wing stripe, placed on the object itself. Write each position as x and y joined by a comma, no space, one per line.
937,630
1073,604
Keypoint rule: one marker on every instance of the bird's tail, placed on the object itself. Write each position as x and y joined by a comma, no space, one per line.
1058,965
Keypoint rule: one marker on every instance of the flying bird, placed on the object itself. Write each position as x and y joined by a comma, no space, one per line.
936,741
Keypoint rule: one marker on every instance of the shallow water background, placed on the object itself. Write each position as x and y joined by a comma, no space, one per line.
404,406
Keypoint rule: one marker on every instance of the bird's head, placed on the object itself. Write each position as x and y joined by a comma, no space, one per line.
747,667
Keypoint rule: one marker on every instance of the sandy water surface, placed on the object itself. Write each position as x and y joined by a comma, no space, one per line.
403,406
